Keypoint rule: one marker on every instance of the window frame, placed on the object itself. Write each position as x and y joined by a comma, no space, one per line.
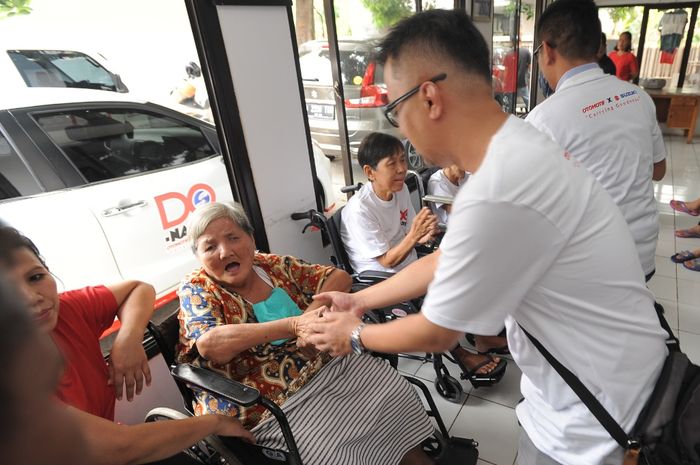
60,158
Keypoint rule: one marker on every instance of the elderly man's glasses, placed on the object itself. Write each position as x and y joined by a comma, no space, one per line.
390,112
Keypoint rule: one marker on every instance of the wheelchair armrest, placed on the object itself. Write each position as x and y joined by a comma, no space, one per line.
373,276
216,384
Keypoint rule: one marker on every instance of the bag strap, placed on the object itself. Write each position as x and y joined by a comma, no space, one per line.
674,345
598,411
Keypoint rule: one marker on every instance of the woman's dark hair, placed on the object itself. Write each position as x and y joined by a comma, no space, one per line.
377,146
11,240
629,37
447,32
572,27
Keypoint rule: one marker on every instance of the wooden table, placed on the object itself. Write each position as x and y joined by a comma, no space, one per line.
678,108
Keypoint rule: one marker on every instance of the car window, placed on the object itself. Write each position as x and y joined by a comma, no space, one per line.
315,65
46,68
110,143
15,179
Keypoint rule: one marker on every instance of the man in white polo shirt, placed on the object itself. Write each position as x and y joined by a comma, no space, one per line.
533,239
607,124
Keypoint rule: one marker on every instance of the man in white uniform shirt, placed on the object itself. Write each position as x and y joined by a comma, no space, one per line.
607,124
533,239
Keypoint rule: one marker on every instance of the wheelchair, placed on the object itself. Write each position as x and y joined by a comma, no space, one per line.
442,448
446,385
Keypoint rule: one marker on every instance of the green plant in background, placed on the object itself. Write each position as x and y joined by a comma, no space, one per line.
526,10
625,18
14,7
387,12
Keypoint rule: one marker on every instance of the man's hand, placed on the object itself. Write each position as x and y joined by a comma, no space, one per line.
342,302
128,367
229,426
332,332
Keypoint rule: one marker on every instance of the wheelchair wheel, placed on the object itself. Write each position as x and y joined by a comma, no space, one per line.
208,451
449,388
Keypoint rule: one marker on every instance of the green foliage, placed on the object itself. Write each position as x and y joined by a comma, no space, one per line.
14,7
625,18
526,10
387,12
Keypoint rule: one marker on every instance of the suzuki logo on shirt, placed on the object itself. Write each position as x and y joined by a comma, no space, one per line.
404,217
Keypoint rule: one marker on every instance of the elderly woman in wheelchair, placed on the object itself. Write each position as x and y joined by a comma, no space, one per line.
242,314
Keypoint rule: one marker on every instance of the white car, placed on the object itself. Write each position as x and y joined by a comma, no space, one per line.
35,67
104,184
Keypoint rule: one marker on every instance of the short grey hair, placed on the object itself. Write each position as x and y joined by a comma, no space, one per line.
205,215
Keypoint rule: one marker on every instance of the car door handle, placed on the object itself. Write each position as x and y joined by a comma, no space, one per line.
119,210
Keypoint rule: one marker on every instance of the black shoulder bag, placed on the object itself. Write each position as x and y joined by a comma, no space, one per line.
667,431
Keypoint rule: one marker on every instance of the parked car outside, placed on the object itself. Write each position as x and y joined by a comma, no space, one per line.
104,184
33,67
363,86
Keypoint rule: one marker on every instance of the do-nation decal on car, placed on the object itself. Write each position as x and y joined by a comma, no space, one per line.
175,207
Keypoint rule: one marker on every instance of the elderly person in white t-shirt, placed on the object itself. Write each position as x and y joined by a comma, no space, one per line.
533,240
380,230
446,183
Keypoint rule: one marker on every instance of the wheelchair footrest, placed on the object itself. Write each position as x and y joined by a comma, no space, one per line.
459,451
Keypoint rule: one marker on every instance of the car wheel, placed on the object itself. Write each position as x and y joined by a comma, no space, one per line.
415,161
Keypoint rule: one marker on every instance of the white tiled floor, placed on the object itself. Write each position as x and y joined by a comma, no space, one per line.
488,414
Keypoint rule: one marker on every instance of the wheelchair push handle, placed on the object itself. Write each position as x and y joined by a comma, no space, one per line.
352,188
303,215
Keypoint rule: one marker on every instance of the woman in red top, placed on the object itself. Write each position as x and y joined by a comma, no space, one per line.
75,320
626,65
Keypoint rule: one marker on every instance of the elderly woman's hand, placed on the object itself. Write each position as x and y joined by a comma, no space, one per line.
301,325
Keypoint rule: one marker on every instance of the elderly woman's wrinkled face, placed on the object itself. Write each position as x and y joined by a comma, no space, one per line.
226,252
37,286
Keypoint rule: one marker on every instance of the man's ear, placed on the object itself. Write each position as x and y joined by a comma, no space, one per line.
368,172
432,98
549,54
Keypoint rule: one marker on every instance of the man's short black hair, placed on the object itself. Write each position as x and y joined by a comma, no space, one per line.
447,32
376,147
571,27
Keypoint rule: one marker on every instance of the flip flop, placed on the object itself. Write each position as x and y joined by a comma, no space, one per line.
682,207
687,233
683,256
484,379
692,265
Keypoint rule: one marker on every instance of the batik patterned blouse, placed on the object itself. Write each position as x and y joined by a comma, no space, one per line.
276,371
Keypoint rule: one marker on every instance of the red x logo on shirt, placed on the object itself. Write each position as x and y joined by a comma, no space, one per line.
404,216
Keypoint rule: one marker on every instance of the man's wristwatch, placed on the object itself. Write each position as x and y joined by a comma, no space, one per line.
356,342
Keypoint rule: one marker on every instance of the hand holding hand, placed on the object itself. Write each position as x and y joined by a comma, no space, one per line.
332,332
342,302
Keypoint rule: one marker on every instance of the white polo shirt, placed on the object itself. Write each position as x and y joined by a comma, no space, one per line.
533,238
610,126
439,184
372,226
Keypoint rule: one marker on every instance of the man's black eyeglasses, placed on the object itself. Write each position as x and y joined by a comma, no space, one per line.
539,47
389,110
